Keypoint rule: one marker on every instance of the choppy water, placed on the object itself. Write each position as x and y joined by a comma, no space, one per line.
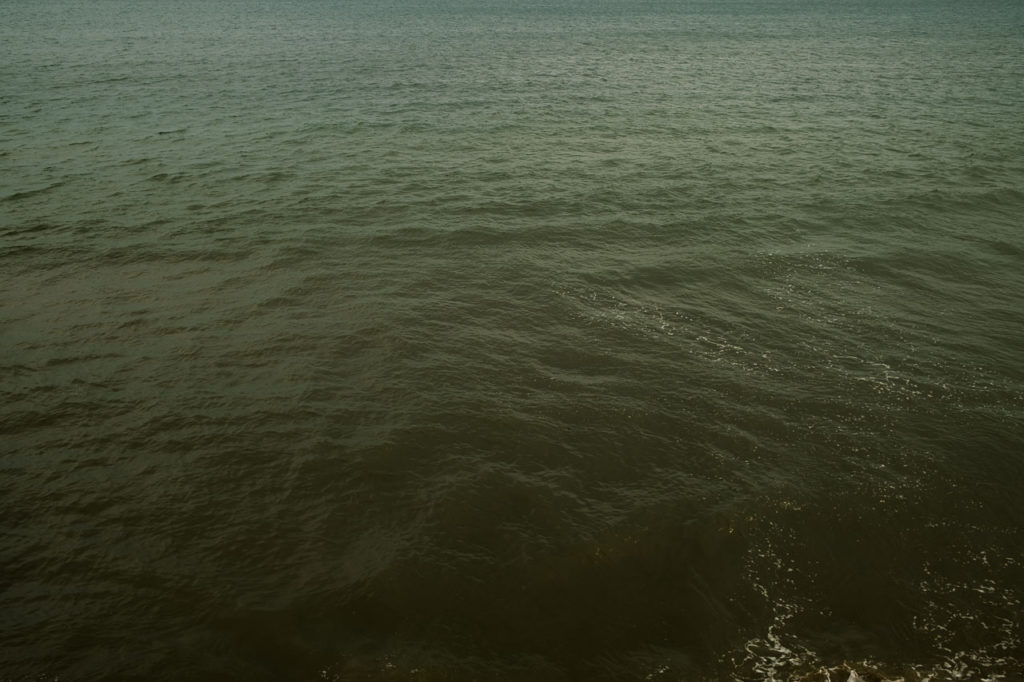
558,341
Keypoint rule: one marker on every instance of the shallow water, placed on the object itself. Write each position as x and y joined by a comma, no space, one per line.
565,341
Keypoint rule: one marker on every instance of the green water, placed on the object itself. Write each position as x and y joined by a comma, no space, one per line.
471,341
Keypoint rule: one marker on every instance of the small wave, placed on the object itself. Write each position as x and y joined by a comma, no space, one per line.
25,194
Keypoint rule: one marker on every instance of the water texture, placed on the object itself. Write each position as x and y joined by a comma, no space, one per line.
482,341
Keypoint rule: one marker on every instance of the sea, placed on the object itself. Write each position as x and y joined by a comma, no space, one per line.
511,340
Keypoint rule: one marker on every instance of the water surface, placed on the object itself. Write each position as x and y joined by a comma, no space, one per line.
562,341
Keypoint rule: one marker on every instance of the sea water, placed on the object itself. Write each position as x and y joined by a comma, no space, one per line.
566,340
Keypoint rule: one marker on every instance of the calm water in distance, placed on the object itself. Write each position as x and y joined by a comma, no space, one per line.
536,341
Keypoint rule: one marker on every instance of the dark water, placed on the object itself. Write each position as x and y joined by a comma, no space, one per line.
553,341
